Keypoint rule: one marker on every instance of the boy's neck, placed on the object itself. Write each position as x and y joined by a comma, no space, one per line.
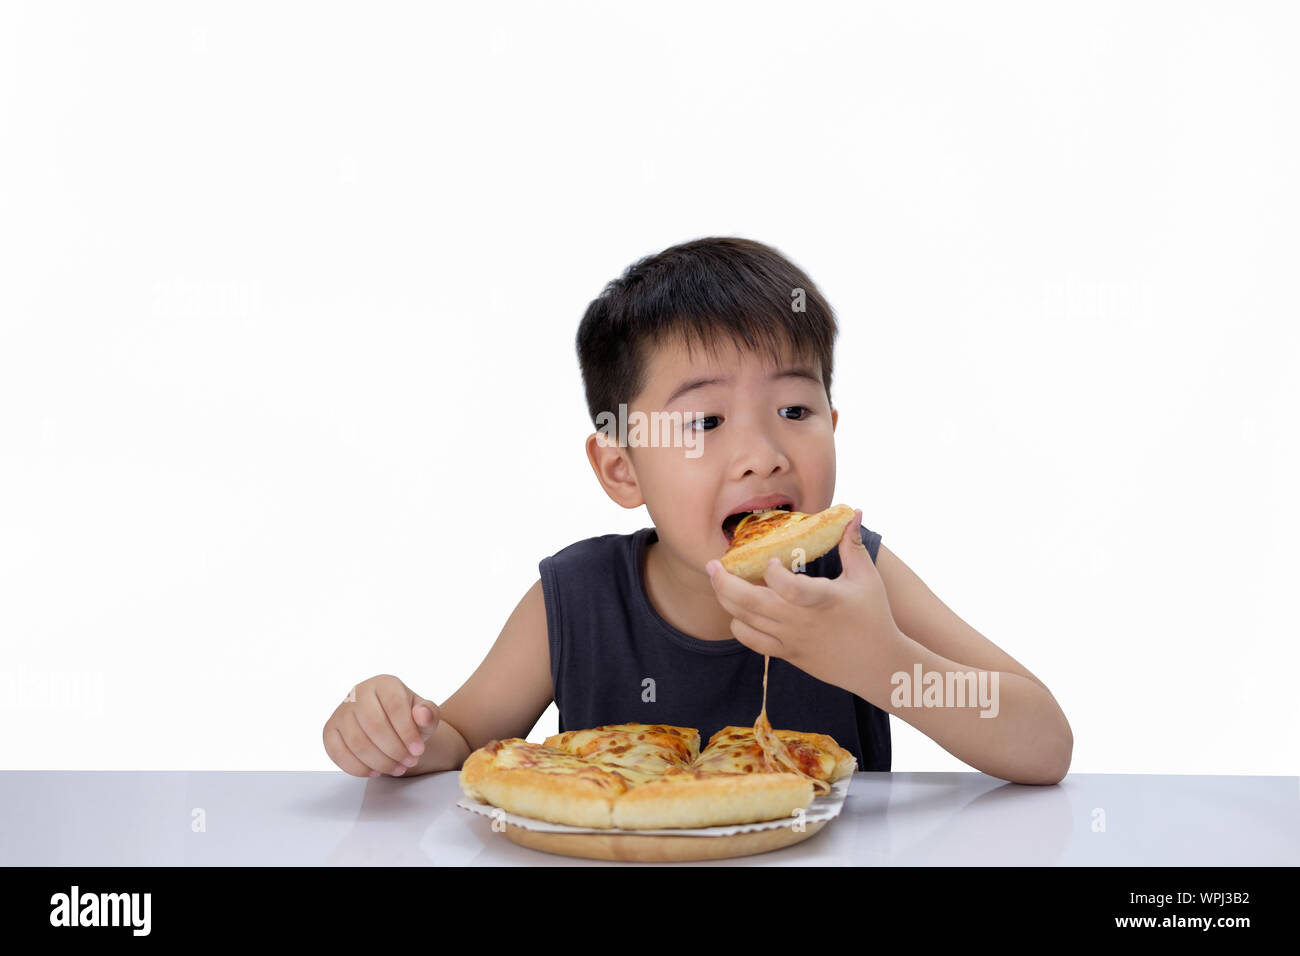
684,597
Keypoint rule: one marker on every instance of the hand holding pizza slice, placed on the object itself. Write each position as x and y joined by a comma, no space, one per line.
835,629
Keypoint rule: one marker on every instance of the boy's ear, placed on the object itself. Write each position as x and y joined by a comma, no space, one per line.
613,467
835,417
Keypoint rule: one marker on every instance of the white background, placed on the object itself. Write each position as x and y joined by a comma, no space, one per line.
288,296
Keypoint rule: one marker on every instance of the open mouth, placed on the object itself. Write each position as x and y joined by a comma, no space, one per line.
729,523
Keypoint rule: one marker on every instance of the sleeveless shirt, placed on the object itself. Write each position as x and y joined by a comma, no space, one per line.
614,660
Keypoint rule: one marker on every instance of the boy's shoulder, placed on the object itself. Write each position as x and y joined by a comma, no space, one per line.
598,548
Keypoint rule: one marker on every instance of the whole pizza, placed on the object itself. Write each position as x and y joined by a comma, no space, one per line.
652,776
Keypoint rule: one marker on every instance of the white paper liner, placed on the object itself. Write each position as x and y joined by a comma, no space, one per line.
822,808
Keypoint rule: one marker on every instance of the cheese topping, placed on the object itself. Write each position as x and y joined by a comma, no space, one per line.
759,523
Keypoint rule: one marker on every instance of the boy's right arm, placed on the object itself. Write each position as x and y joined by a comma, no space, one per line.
503,698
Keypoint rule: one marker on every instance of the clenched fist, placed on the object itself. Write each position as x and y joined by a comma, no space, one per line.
382,730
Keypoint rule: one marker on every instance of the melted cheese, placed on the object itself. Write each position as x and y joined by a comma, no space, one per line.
633,753
736,752
521,754
761,523
776,757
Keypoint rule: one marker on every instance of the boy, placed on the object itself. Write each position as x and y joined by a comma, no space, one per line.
720,337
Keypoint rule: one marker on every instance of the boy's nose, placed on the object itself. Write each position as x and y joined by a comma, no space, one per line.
761,457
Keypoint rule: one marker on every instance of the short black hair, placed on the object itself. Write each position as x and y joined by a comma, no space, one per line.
707,291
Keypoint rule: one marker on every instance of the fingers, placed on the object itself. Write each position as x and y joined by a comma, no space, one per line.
369,734
359,728
396,700
426,715
342,754
741,599
380,728
756,640
736,591
754,618
784,588
852,549
797,589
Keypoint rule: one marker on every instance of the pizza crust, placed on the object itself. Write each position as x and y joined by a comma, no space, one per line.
706,800
816,534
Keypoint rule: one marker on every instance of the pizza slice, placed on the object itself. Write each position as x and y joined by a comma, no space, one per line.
776,533
546,783
816,756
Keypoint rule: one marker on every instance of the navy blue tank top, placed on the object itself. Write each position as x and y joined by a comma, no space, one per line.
614,660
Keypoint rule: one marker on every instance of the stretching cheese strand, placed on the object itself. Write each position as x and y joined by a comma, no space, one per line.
776,758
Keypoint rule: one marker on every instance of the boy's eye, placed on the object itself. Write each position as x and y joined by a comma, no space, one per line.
696,422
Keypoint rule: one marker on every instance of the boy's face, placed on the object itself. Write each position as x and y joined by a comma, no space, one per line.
759,429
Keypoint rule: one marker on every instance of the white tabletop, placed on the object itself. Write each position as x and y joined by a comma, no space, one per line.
124,818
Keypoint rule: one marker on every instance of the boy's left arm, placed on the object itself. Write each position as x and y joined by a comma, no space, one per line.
875,629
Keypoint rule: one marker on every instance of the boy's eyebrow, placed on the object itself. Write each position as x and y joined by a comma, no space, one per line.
795,371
